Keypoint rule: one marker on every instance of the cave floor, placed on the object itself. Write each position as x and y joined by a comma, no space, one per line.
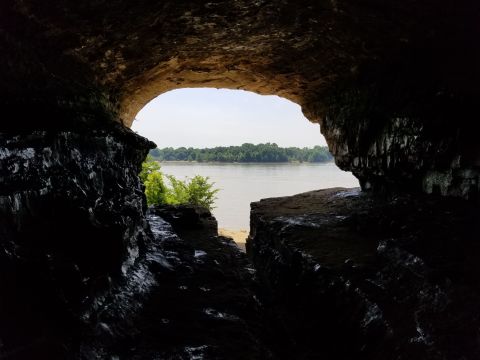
206,307
338,274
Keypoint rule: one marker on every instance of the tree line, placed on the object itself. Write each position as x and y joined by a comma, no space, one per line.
269,152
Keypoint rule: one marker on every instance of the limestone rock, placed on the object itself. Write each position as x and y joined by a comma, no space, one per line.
356,277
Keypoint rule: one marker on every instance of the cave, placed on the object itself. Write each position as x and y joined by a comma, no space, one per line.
394,87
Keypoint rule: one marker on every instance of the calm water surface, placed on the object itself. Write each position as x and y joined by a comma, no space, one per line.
241,184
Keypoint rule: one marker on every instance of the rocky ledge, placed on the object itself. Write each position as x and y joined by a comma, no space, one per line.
355,277
196,298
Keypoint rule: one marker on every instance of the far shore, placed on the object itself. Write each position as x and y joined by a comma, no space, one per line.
239,236
241,162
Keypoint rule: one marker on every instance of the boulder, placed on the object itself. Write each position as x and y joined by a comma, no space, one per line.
356,277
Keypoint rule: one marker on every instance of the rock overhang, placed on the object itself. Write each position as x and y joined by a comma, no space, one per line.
392,85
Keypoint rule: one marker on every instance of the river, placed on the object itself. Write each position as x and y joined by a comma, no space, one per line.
241,183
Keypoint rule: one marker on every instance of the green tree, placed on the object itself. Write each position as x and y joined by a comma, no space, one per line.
269,152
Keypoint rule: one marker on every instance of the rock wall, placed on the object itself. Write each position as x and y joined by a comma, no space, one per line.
402,128
71,225
351,276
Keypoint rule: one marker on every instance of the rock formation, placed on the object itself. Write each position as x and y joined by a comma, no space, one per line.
72,215
356,277
393,85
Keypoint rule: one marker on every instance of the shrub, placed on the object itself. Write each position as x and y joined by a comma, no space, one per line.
196,191
149,166
201,192
155,189
178,191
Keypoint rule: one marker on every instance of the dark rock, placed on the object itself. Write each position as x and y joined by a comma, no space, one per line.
94,278
384,135
72,226
356,277
201,303
188,217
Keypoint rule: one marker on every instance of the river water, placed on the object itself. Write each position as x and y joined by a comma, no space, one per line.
241,184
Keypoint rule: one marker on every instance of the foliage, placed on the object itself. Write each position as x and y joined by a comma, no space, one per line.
149,166
201,192
196,191
245,153
155,189
178,192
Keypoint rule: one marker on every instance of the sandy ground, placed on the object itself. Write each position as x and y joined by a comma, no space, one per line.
239,236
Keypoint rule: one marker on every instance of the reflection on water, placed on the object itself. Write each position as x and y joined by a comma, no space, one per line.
242,184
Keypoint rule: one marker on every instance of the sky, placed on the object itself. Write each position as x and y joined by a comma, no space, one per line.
220,117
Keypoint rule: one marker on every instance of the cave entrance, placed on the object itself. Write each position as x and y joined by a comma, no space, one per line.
184,123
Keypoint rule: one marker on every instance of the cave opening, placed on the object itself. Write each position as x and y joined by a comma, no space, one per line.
88,272
184,123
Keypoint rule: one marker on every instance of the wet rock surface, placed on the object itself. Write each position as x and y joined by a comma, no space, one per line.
188,294
351,276
204,306
383,133
186,218
87,273
72,225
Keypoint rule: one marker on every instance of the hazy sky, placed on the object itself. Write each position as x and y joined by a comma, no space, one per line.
215,117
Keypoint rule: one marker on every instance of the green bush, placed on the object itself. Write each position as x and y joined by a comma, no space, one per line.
149,166
178,191
196,191
201,192
155,189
